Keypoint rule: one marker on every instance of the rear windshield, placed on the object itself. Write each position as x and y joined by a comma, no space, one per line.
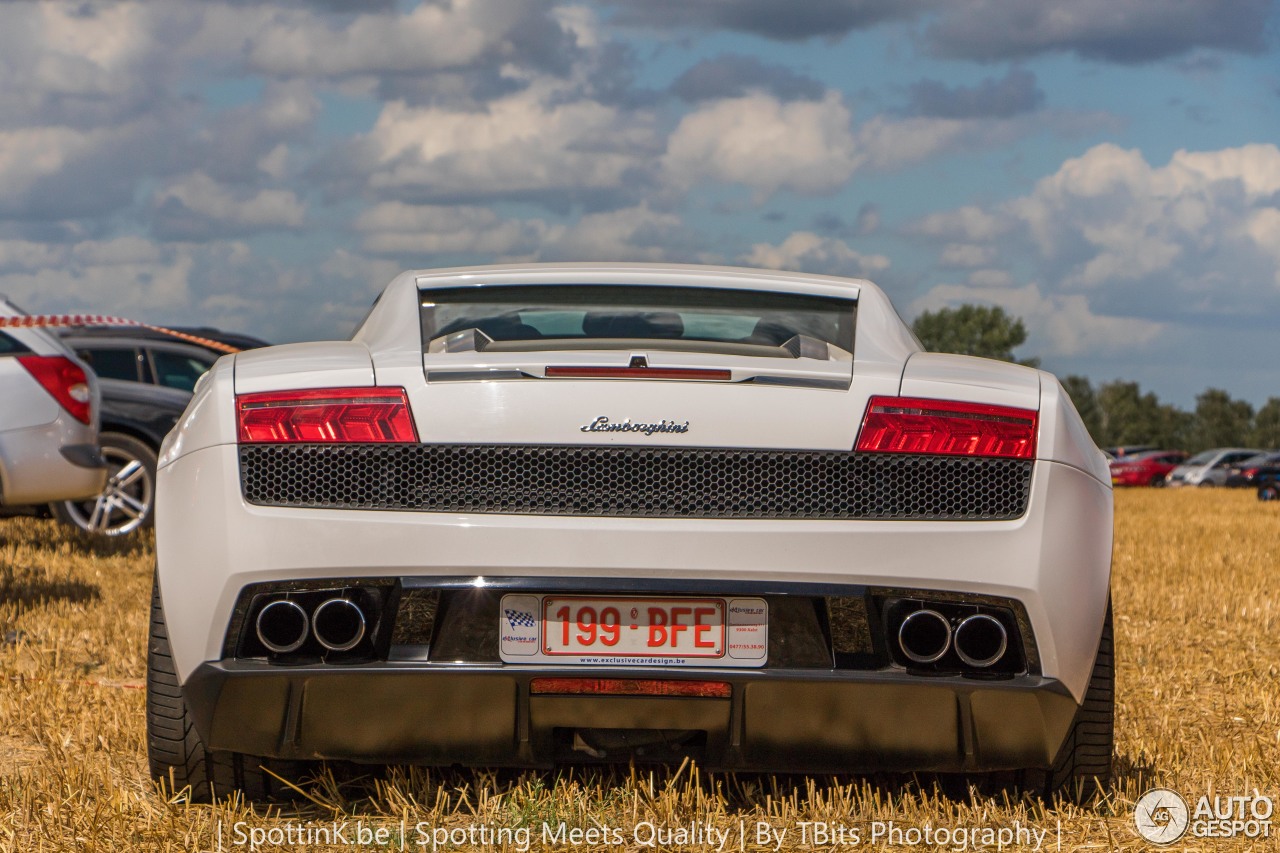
600,314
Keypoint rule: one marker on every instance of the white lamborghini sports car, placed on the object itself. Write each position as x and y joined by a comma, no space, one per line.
542,514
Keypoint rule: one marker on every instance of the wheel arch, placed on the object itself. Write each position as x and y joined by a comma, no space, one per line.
133,430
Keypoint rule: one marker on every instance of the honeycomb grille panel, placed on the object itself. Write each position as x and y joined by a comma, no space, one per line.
647,482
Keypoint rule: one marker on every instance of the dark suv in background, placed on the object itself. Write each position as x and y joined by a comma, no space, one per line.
146,379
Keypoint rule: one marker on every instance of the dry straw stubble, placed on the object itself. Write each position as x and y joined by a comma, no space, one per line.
1198,710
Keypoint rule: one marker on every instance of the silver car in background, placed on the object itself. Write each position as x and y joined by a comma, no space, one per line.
1209,467
48,419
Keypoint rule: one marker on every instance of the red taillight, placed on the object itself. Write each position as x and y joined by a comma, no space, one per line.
630,687
1250,472
320,415
913,425
64,380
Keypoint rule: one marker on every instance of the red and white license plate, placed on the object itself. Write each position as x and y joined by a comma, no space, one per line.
634,631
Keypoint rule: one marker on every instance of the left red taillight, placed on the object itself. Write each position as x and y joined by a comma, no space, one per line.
947,427
325,415
64,380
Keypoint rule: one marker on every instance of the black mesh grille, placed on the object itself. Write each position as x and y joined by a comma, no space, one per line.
659,482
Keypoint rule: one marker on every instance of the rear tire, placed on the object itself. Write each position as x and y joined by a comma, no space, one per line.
177,756
1082,769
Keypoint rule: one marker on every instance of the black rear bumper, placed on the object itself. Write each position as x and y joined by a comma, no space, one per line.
826,721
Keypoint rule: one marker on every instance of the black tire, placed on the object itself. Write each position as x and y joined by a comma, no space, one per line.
178,758
1157,482
1082,769
128,502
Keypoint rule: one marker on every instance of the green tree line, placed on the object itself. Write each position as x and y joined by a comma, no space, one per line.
1116,413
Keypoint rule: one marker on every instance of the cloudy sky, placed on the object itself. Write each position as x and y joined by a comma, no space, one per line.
1107,170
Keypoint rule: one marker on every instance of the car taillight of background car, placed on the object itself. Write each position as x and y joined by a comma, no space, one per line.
64,380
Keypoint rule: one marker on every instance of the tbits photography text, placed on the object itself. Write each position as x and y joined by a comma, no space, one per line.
738,835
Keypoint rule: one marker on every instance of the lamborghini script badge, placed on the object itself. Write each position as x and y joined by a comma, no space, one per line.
603,424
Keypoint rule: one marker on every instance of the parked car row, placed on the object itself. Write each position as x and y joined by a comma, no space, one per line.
90,461
1223,466
1255,470
1145,468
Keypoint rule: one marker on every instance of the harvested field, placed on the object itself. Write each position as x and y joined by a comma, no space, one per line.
1197,607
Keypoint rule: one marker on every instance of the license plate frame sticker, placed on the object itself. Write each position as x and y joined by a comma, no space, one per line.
634,630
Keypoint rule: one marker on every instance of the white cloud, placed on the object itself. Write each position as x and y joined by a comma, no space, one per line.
429,37
805,251
122,251
275,161
889,143
398,228
966,255
628,234
126,275
68,58
1124,252
1108,216
204,198
30,154
766,144
1059,324
27,256
988,278
531,141
1263,227
965,223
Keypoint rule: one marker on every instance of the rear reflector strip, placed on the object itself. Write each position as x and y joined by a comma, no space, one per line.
630,687
326,415
639,373
948,428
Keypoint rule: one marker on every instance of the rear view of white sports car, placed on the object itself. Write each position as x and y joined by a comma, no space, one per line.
542,514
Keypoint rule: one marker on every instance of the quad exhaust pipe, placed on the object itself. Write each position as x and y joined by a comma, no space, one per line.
924,636
282,626
338,624
980,640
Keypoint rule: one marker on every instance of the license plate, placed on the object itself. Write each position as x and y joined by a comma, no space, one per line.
634,631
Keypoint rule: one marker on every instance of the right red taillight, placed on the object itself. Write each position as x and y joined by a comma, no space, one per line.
325,415
64,380
947,427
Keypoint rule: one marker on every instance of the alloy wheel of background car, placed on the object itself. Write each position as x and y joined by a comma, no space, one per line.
127,503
